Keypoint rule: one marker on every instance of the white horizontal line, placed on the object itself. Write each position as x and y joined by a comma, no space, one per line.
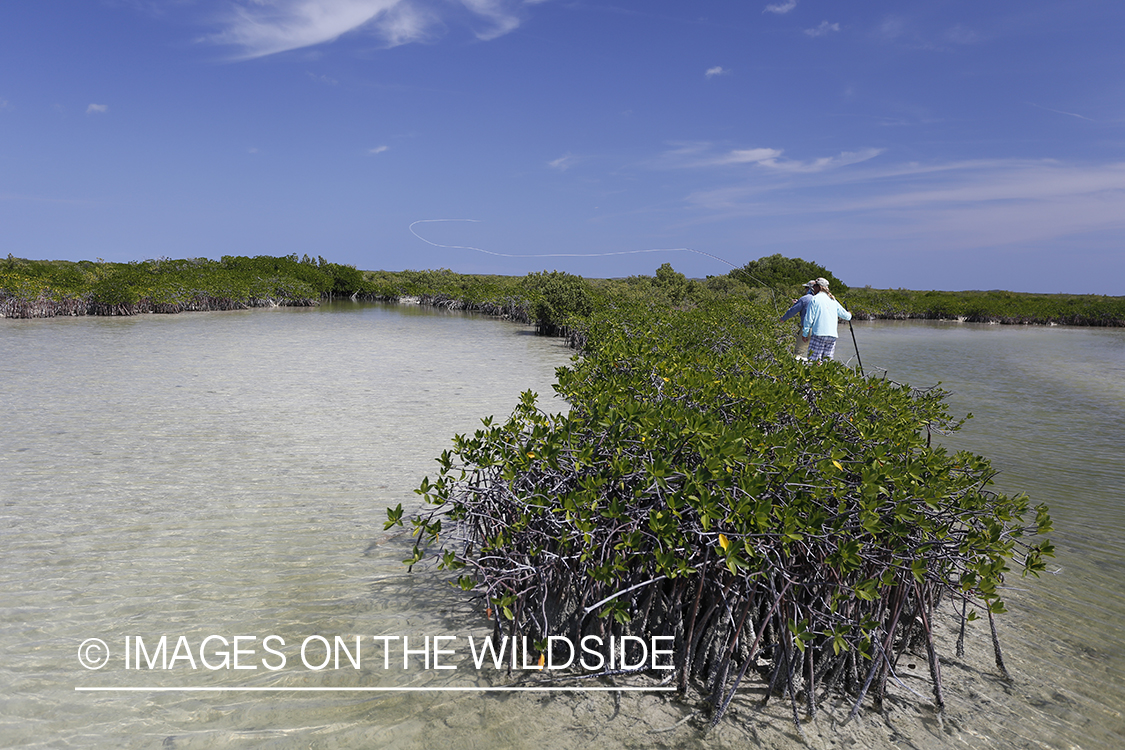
369,689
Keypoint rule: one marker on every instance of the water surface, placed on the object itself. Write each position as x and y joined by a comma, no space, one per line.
228,473
1048,406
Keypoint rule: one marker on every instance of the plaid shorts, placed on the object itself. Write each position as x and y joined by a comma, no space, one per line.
821,347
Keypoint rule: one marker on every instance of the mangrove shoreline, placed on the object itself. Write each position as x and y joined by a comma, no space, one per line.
45,289
789,526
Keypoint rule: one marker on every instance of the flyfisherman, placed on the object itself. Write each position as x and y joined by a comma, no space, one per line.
801,306
819,326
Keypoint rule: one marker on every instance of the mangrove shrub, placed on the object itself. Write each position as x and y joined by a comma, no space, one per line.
779,271
786,521
557,299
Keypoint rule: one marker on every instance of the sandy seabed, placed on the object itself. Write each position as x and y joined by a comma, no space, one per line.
983,710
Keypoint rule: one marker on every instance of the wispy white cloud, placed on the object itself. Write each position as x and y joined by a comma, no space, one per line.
824,29
781,8
843,159
327,80
497,13
261,29
954,205
97,109
377,150
748,156
907,32
977,182
563,163
718,70
961,34
699,155
892,28
1037,106
405,23
1001,203
265,27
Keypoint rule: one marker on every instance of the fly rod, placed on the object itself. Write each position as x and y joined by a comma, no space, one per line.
858,358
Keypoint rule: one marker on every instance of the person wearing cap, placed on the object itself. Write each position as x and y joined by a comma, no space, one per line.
800,307
820,321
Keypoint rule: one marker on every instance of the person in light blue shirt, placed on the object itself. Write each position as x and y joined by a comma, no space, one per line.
801,306
820,321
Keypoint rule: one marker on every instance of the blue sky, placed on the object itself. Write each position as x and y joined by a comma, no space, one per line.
925,145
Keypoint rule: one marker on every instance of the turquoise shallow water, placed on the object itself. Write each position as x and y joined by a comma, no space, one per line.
228,473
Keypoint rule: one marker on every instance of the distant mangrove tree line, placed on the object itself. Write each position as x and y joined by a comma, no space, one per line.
41,289
37,289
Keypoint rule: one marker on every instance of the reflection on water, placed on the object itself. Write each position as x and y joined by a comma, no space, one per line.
227,474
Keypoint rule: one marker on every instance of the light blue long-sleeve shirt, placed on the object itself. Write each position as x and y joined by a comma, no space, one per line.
800,306
821,316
